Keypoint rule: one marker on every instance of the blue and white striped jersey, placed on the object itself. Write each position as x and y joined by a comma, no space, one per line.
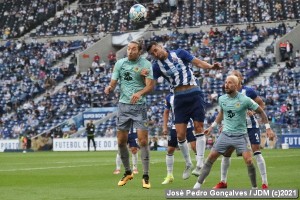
175,69
249,92
169,105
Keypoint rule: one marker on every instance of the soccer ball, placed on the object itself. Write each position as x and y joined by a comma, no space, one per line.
137,13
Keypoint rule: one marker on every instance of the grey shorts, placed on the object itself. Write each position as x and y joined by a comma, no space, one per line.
241,143
132,115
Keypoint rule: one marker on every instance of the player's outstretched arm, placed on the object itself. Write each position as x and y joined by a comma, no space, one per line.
204,65
264,119
217,121
111,86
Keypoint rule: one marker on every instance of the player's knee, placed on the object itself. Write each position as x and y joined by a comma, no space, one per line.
143,142
198,127
213,156
248,161
255,147
133,150
181,137
122,144
171,150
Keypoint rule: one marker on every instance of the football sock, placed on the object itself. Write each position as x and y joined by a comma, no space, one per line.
118,162
134,160
200,148
261,164
170,163
185,152
205,171
145,154
252,175
225,163
124,154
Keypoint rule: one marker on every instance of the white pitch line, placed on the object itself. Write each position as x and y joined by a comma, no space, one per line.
43,168
154,161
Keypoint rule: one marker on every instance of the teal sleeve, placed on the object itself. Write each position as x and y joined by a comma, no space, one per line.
148,66
116,72
219,102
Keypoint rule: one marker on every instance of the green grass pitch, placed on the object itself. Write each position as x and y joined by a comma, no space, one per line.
88,175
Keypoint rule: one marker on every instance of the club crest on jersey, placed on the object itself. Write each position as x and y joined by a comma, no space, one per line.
238,104
136,69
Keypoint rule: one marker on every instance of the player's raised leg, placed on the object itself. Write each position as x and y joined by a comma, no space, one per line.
183,145
200,145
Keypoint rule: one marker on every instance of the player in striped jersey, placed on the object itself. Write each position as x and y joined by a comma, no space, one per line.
254,136
168,121
175,67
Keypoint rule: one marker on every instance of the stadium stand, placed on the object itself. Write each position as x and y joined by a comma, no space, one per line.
33,69
19,17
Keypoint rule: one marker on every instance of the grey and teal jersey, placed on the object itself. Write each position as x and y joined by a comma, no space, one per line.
235,111
128,74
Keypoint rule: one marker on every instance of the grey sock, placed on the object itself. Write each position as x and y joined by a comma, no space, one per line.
205,171
124,154
252,175
145,155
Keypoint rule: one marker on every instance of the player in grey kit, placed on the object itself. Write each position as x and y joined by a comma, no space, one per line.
234,107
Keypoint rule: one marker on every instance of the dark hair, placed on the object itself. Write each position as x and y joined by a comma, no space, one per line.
139,43
153,43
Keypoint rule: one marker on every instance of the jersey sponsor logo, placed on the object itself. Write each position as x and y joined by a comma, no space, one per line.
127,76
230,114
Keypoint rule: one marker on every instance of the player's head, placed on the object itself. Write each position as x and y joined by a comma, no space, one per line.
157,51
134,50
231,84
239,75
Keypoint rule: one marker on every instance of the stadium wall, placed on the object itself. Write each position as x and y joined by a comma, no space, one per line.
102,47
293,37
80,144
122,52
